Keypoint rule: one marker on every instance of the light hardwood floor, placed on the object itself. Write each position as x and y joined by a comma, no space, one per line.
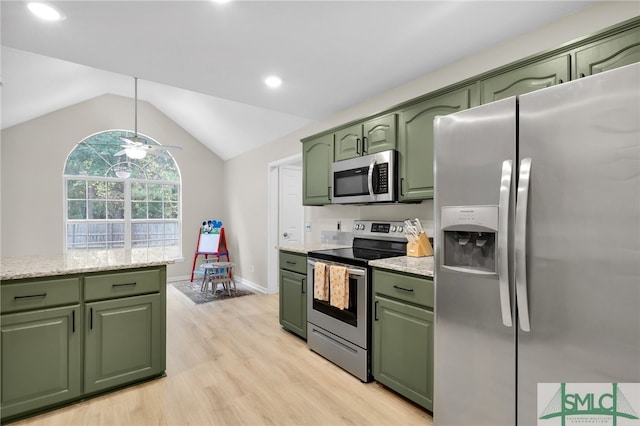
230,363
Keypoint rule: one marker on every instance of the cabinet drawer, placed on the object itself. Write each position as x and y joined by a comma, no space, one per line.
121,284
293,262
409,288
28,295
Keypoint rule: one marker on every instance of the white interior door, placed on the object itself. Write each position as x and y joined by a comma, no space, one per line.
290,209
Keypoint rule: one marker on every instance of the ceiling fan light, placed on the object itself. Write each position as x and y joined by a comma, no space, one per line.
44,11
135,153
123,174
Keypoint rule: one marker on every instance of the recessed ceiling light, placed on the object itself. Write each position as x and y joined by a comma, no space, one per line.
273,81
221,1
44,11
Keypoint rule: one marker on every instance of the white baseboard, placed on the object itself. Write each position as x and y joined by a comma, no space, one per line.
241,282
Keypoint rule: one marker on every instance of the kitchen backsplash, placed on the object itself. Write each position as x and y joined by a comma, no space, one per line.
324,220
336,237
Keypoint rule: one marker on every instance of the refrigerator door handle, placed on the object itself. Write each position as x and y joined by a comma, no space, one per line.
503,241
521,244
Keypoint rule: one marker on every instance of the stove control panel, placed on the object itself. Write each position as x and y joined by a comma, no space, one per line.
376,229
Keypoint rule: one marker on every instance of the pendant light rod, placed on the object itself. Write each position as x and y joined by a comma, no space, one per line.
135,90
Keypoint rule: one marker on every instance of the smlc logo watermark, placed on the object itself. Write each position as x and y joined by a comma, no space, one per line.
562,404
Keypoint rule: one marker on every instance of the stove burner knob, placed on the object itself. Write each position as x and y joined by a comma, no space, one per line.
399,228
394,228
362,227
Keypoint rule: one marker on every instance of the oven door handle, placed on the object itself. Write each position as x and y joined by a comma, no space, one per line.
350,271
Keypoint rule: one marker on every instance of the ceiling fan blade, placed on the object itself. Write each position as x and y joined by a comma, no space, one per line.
121,152
165,148
160,154
134,140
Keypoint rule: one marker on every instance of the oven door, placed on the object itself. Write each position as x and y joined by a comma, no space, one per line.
350,323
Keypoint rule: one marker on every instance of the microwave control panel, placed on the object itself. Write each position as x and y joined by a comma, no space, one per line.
382,174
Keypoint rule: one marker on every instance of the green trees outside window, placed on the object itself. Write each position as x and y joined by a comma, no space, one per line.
106,208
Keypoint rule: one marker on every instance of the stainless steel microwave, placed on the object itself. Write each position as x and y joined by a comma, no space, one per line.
368,179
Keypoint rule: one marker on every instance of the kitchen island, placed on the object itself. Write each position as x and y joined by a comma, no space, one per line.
79,324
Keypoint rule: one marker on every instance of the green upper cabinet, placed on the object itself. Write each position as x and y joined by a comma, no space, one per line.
317,156
613,52
380,134
415,141
375,135
408,128
348,142
525,79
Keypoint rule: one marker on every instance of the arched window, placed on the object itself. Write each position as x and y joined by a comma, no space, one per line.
118,202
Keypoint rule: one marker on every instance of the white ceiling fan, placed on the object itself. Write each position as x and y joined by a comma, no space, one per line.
137,147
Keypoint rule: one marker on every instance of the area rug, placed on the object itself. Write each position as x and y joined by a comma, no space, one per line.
192,291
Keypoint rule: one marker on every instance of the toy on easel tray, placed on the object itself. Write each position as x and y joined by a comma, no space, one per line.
211,227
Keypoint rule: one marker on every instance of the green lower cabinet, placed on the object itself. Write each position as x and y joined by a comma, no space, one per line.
403,349
40,359
402,338
123,341
293,302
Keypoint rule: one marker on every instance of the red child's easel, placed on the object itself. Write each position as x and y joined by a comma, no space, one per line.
211,245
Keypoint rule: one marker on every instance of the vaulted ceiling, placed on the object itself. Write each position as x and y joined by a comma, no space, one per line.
203,64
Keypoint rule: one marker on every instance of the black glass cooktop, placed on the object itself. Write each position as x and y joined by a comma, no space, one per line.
360,256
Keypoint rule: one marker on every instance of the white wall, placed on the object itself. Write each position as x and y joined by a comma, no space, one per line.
247,174
33,155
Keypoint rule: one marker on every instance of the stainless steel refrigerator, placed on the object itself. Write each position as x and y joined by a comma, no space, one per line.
537,253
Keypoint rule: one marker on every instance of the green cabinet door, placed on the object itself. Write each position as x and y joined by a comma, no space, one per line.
380,134
124,341
375,135
348,142
293,302
40,363
317,157
525,79
613,52
403,349
415,141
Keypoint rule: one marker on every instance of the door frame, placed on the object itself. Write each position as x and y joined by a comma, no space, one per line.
273,197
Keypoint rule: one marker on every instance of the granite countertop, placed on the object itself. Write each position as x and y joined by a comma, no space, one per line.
412,265
80,261
305,248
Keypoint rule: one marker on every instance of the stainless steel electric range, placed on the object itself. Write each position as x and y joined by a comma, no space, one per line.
343,336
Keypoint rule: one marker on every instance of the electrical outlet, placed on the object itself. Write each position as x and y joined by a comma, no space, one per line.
307,227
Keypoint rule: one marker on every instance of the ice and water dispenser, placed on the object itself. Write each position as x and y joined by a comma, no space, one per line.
470,238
